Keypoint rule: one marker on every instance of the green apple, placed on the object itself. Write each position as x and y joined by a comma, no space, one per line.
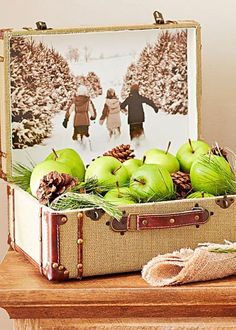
199,194
132,165
70,158
212,174
152,182
189,152
163,158
119,196
44,168
109,172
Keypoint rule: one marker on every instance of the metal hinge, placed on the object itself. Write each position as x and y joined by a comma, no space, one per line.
3,154
28,28
225,202
2,31
3,175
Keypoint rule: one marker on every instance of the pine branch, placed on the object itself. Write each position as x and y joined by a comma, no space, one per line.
73,201
226,180
91,185
223,250
21,175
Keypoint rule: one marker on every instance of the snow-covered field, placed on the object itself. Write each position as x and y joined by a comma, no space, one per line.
159,128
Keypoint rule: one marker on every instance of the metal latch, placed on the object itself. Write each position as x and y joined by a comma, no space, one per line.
3,154
159,19
42,26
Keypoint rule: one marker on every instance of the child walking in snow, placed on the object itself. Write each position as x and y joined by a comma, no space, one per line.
136,117
111,113
84,112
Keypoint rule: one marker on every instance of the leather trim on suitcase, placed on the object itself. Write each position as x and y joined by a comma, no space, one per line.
54,270
80,218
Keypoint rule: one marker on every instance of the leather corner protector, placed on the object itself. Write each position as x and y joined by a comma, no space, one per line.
55,272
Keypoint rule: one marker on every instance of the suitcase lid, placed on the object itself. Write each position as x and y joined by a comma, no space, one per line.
43,72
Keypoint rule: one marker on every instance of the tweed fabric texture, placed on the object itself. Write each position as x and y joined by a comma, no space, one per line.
106,251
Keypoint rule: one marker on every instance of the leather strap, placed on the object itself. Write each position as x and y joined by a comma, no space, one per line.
196,216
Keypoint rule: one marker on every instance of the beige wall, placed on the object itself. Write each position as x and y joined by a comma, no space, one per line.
219,51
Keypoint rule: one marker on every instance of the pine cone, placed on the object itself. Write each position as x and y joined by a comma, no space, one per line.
182,183
218,151
122,152
54,184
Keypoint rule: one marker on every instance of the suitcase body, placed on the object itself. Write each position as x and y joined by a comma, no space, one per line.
87,242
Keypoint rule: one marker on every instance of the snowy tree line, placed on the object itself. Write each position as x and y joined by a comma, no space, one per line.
161,72
41,85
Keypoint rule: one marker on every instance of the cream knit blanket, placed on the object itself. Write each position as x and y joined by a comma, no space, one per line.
207,262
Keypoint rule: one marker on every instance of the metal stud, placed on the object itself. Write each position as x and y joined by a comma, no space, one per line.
144,222
66,272
61,267
172,220
64,219
55,265
196,217
80,241
80,266
80,216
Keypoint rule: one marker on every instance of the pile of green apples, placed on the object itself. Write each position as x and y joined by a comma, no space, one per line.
141,180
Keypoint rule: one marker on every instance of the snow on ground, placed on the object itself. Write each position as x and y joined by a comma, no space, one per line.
159,128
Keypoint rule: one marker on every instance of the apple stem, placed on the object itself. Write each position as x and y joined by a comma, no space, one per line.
168,147
144,158
139,181
56,155
117,169
118,189
203,194
191,146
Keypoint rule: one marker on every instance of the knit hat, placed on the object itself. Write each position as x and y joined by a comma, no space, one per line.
111,92
82,91
134,88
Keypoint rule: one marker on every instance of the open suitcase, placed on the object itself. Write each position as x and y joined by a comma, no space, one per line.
39,70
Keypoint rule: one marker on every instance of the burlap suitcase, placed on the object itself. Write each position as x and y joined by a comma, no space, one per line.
39,69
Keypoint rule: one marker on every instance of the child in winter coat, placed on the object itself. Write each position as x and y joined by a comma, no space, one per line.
136,118
111,113
84,112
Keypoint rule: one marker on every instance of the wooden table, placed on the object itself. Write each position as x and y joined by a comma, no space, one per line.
112,302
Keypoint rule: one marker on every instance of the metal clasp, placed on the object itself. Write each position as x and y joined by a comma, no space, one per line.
158,17
42,26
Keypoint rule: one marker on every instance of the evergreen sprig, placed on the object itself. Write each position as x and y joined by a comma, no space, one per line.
223,250
91,185
73,201
226,180
21,175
